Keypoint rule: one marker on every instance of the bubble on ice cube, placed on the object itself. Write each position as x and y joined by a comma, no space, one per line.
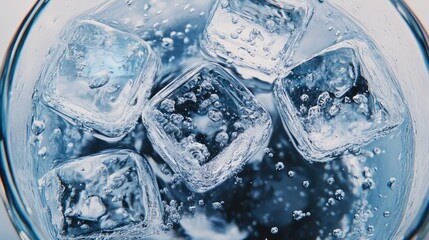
255,34
338,99
103,196
99,78
206,125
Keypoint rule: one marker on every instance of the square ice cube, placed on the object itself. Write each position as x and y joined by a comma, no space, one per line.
103,196
99,78
206,125
256,34
342,97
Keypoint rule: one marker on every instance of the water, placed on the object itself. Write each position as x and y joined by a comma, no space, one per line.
310,139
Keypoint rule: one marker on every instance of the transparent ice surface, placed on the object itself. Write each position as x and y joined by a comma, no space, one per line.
100,78
342,97
103,196
256,34
206,125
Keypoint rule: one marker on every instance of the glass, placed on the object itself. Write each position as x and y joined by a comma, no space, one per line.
393,170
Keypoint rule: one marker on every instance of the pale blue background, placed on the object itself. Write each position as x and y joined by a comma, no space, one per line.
11,14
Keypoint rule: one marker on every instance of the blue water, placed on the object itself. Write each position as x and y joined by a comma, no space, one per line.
246,131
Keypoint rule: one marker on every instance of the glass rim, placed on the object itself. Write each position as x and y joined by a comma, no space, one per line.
8,190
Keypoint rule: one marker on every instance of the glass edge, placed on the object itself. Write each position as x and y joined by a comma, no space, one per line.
9,194
21,222
414,23
421,230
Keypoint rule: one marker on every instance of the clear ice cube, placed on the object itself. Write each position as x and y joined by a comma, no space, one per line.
103,196
99,78
256,34
342,97
206,125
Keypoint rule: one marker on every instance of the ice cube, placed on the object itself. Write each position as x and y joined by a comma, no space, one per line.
206,125
256,34
99,78
344,96
103,196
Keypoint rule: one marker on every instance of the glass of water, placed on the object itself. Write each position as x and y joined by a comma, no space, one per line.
221,119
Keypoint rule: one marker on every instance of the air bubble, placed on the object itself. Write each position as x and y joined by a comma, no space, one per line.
222,138
279,166
377,151
391,183
217,205
368,184
99,79
167,43
386,214
42,152
337,232
215,116
339,194
38,127
305,184
298,215
274,230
